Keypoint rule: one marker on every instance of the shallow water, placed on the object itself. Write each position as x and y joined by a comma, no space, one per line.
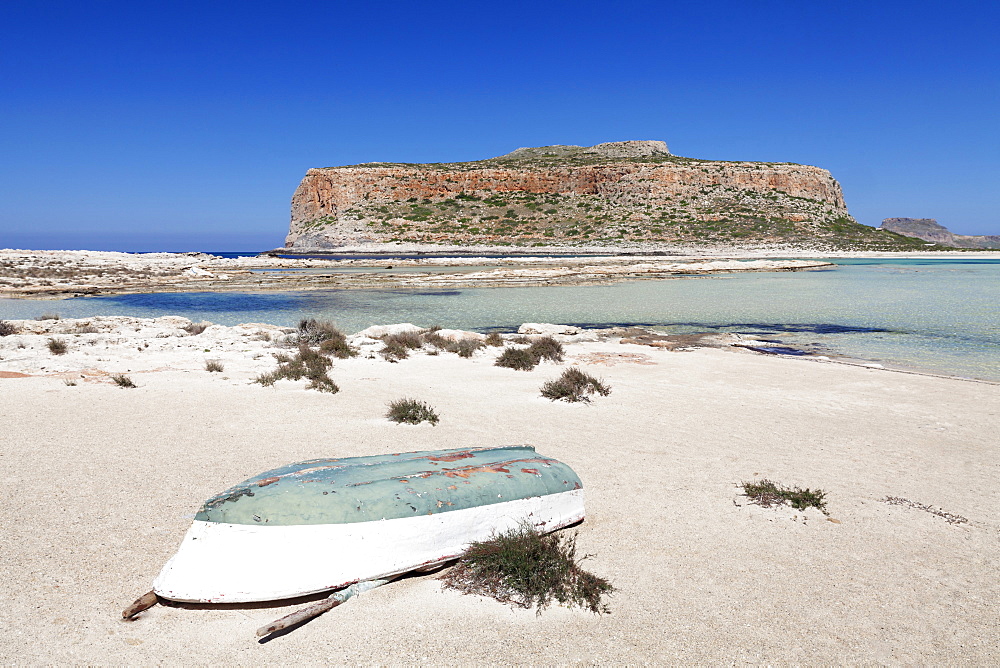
388,269
938,315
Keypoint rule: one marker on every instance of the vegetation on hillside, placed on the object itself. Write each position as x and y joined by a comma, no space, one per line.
716,214
709,214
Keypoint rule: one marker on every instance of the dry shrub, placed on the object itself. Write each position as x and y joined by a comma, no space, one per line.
328,336
8,328
524,568
574,385
48,316
58,347
546,348
393,352
398,346
338,347
516,358
122,381
494,339
409,340
411,411
464,347
307,363
214,366
432,338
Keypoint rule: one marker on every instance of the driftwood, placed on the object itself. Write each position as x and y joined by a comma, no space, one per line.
319,607
144,602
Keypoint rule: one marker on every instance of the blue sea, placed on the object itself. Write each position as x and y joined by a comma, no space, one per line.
938,315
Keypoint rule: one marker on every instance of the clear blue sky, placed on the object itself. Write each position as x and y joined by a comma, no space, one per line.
187,125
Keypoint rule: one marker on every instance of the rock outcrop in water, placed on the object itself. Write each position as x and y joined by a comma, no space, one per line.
930,230
612,193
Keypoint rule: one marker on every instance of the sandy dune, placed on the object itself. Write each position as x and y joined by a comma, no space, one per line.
100,483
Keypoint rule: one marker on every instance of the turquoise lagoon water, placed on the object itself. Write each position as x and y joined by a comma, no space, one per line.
932,314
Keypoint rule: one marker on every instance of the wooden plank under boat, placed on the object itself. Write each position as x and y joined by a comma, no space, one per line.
327,523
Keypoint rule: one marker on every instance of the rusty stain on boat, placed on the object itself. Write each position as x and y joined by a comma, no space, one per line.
452,458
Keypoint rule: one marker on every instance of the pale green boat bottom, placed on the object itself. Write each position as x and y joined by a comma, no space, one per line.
381,487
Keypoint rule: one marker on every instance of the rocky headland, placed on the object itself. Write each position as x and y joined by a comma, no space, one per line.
617,193
929,230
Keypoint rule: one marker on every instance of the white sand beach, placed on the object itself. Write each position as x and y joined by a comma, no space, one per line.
100,484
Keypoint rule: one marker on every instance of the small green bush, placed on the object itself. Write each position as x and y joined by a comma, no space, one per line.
7,328
524,568
517,358
767,494
411,411
547,348
58,347
122,381
213,366
574,385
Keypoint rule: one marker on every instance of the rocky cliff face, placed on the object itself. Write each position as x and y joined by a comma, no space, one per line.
614,192
929,230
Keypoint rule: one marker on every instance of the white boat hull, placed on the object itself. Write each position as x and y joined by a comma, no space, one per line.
240,563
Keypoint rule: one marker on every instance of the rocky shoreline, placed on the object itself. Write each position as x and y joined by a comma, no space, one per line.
95,348
64,274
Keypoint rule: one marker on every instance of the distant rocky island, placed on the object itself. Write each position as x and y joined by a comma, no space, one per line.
929,230
629,193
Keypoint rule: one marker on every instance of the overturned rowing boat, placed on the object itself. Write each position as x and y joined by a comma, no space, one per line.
328,523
